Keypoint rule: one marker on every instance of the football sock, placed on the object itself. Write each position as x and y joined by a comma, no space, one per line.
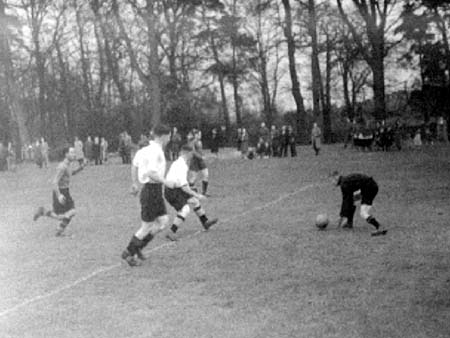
204,187
350,217
147,239
135,244
201,214
373,221
176,222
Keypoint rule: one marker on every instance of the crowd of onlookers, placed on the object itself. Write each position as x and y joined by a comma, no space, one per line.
265,142
271,142
385,136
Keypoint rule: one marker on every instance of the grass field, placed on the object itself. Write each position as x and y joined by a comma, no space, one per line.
263,271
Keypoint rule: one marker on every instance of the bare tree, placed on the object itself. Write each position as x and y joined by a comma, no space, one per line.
296,93
16,108
374,14
151,79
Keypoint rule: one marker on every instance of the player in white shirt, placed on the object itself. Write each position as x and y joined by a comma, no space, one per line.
182,197
147,170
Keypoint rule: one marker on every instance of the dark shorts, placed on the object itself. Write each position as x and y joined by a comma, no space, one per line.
69,204
152,202
368,192
176,197
197,164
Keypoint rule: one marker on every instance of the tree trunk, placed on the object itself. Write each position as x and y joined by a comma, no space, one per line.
327,132
84,62
226,113
150,81
69,122
348,105
154,86
12,91
237,99
296,93
315,67
377,66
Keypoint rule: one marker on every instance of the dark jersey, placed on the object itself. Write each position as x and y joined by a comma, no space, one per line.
349,185
354,182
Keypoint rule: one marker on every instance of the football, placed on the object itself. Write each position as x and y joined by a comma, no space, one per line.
322,221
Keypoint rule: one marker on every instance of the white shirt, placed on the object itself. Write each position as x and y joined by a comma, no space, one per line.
150,158
178,172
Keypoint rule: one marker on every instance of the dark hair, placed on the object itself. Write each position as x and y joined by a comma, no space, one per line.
161,129
187,148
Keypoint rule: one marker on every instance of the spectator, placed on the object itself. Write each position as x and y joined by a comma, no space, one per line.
11,159
316,135
96,151
239,139
215,142
3,157
264,133
274,141
103,150
244,142
262,148
292,141
88,151
78,146
175,144
284,141
44,151
442,132
38,154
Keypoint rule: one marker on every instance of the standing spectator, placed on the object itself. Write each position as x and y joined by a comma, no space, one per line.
292,141
239,139
11,159
348,132
96,151
103,150
262,148
283,141
264,133
88,151
274,141
175,144
38,154
30,151
442,132
244,142
78,146
215,142
417,139
316,135
121,148
128,145
3,157
44,151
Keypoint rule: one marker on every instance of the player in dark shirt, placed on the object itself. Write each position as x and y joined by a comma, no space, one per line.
355,187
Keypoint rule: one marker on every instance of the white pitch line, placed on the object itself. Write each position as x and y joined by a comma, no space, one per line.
111,267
